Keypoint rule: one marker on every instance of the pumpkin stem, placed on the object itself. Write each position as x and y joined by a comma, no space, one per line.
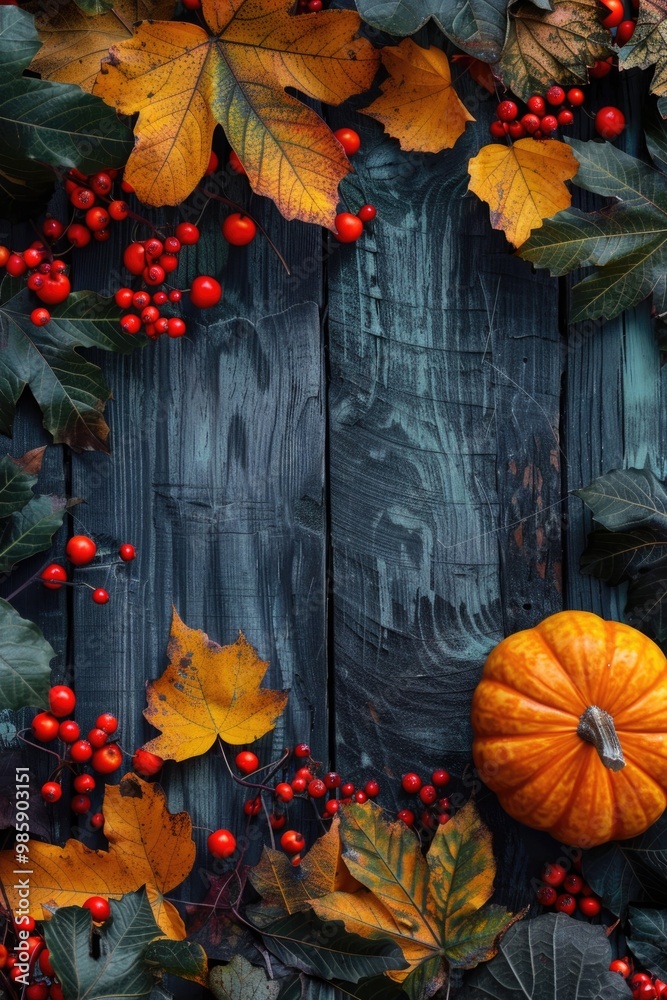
597,727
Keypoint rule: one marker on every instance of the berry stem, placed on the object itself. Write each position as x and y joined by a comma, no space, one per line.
597,727
243,211
35,576
39,746
254,784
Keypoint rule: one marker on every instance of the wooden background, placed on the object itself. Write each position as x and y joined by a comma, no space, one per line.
367,466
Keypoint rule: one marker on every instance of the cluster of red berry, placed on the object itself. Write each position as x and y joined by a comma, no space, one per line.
30,945
349,227
643,986
438,807
47,277
81,550
567,892
547,113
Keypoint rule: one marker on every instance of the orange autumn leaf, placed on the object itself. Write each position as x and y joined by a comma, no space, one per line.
148,846
321,871
209,691
183,79
75,43
419,105
523,184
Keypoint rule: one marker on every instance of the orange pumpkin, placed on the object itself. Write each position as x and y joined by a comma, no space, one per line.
570,726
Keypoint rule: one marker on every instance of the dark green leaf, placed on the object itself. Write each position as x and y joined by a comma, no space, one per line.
556,45
627,242
630,871
242,981
25,655
70,390
477,26
326,949
309,988
179,958
15,486
631,504
30,530
648,939
45,123
550,957
120,971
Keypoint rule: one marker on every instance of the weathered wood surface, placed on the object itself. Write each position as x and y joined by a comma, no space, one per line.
366,466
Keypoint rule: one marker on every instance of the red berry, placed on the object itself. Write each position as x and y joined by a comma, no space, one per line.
69,731
372,788
149,314
44,963
61,700
555,95
52,229
53,576
81,751
546,895
600,68
80,550
238,229
36,991
221,844
332,779
153,247
576,97
172,245
497,130
440,777
645,991
348,227
553,874
146,763
134,258
360,797
428,794
82,197
536,104
349,140
5,254
314,6
639,978
130,324
565,117
624,33
97,821
127,552
252,806
549,124
284,792
247,762
299,785
531,123
16,266
118,210
331,806
236,164
123,298
80,804
101,183
107,759
367,213
187,233
78,235
573,884
411,783
99,908
443,818
277,822
51,791
507,111
213,163
292,842
84,783
305,773
154,274
55,289
97,738
45,727
58,267
302,750
590,906
616,13
620,966
609,122
97,218
100,596
33,257
175,327
317,789
161,325
566,904
205,292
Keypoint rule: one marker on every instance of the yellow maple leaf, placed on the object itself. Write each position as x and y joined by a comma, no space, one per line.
321,871
419,105
74,43
209,691
148,846
183,79
434,907
523,184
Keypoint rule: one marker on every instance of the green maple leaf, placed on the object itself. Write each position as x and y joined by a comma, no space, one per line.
70,390
627,241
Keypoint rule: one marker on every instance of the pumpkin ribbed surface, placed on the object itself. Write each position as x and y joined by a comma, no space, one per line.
535,687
